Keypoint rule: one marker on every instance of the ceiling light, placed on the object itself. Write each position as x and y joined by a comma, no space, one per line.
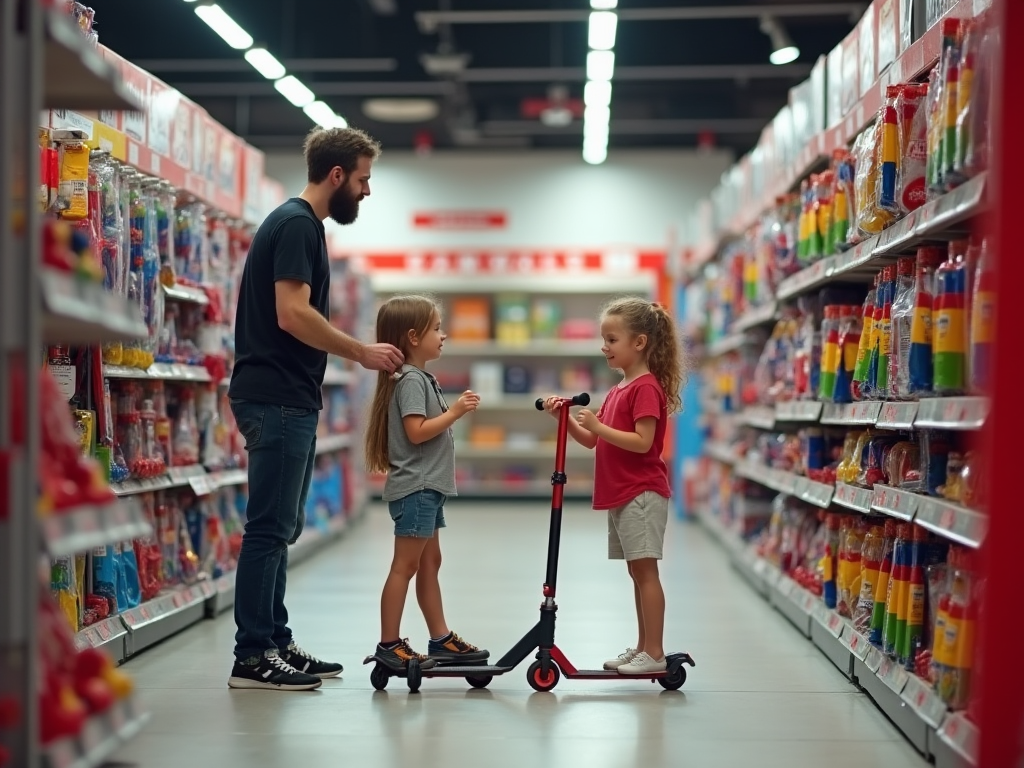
597,93
595,132
295,91
600,65
321,114
597,113
602,30
264,62
401,110
604,5
783,49
229,30
595,154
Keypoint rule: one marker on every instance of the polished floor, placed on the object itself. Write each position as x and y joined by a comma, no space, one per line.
759,696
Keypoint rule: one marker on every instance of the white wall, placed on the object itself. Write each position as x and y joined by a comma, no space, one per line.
552,199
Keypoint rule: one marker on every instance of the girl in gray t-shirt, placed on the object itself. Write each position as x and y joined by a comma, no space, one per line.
409,438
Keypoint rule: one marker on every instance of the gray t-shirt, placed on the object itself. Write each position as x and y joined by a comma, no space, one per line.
427,465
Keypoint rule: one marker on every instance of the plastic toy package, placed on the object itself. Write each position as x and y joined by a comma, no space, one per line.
165,203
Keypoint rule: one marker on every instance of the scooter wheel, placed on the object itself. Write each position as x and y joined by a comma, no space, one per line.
674,680
414,675
479,682
379,677
538,680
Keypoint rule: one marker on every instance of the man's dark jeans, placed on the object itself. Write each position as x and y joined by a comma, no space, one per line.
281,442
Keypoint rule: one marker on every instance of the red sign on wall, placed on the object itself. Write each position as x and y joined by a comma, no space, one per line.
460,220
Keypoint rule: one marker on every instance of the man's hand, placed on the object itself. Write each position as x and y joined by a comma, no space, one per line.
588,420
381,357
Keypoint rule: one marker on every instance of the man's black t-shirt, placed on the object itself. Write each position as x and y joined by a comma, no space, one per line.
271,365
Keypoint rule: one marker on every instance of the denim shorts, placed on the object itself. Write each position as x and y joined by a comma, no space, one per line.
419,514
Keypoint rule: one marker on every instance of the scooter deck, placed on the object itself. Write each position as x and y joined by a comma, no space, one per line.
467,670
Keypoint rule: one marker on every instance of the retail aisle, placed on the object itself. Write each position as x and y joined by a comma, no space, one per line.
759,694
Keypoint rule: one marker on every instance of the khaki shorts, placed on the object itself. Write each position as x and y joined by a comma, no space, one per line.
637,530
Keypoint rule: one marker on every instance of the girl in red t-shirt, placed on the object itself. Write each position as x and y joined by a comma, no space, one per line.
631,478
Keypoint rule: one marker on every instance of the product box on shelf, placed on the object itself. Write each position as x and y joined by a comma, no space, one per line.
867,52
834,87
850,87
887,46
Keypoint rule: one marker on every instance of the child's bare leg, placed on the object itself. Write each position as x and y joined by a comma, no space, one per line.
428,588
404,565
641,634
652,602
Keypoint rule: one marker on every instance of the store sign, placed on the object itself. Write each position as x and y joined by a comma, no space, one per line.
460,220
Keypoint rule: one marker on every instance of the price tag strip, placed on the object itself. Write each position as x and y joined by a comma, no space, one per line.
834,623
961,735
86,527
720,452
963,413
897,416
851,414
920,697
900,236
760,417
855,642
893,675
756,317
954,207
806,279
853,497
874,659
798,410
818,494
962,525
894,502
856,258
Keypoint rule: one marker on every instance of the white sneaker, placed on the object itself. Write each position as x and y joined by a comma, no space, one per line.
623,658
643,664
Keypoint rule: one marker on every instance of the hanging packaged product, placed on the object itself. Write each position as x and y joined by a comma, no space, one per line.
902,322
849,344
73,192
943,109
979,123
805,222
983,316
867,151
186,431
919,362
878,365
842,201
164,223
152,296
104,578
957,641
822,188
878,616
828,562
134,355
807,352
965,97
950,339
64,588
889,152
872,553
911,111
853,530
859,388
896,597
830,352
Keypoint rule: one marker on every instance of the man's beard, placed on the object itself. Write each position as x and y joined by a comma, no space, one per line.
343,206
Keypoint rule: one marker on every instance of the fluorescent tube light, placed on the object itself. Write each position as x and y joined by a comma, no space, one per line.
785,55
597,93
228,29
322,114
594,154
600,65
264,62
601,5
602,30
597,114
295,91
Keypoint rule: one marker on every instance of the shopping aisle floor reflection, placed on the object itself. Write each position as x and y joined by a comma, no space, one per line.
760,694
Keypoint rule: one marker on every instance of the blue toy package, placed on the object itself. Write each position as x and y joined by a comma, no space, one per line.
129,588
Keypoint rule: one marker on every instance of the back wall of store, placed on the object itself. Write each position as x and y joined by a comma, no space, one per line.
548,199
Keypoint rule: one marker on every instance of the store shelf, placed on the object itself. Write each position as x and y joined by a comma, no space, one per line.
470,451
953,521
107,635
818,494
798,411
826,633
956,743
853,497
537,348
333,443
897,416
175,477
895,502
792,601
730,343
884,681
314,540
223,597
159,372
89,526
850,414
76,76
101,737
754,318
758,416
955,413
79,313
225,478
187,294
158,619
720,452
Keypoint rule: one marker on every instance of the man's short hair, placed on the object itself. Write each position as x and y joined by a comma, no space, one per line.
327,148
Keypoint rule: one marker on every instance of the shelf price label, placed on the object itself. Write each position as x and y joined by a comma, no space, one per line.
962,735
61,754
897,415
856,642
874,658
893,675
810,602
834,623
923,700
201,485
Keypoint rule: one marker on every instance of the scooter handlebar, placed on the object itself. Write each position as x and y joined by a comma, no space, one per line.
581,399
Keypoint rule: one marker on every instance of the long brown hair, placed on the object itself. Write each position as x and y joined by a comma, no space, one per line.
396,317
664,349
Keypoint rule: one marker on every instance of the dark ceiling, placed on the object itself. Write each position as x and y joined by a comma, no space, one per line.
674,79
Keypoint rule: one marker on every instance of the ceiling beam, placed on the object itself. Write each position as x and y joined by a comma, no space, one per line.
419,88
668,127
221,66
429,21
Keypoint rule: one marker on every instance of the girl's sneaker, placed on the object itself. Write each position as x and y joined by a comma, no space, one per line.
399,655
453,648
643,664
623,658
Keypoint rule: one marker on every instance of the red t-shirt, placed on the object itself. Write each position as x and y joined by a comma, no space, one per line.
620,475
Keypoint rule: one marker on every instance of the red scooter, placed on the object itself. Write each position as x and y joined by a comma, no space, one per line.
551,663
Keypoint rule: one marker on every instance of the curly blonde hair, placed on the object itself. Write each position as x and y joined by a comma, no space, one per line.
665,357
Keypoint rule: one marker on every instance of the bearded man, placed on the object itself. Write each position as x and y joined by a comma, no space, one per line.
282,339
